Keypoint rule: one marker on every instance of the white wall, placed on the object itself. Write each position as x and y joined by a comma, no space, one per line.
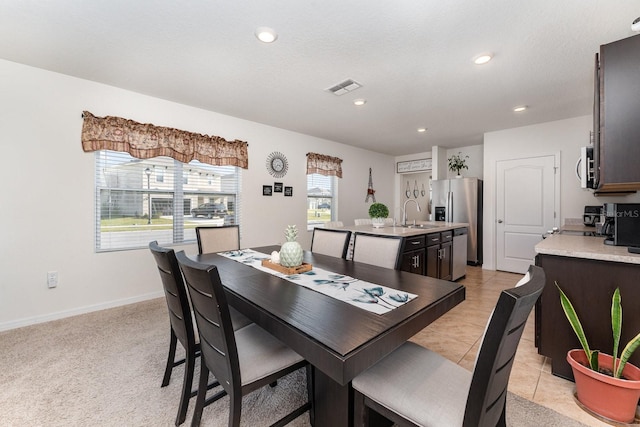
563,136
439,157
47,215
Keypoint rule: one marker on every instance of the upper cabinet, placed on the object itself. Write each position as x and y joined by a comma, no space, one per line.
617,116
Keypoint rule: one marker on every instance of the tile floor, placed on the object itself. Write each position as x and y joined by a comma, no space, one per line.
456,335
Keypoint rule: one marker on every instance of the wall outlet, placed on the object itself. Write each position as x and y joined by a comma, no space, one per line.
52,279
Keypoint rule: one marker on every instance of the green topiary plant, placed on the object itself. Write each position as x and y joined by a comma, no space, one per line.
378,210
616,326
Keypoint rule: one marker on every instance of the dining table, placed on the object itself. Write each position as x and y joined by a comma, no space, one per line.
338,339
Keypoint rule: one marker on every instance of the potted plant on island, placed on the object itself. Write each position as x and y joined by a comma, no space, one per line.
378,212
457,163
606,385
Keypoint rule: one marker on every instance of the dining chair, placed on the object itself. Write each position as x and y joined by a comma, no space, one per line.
332,224
363,221
330,242
218,239
416,386
377,250
242,361
182,324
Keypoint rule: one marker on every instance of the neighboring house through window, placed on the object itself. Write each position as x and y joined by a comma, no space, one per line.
320,199
132,209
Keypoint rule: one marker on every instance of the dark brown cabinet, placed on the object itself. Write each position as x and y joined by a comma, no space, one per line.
616,112
439,254
413,256
589,284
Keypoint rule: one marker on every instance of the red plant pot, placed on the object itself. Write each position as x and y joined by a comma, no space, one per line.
612,398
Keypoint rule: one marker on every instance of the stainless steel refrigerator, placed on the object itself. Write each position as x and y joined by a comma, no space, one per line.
460,200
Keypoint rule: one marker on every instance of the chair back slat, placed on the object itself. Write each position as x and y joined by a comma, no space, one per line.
175,294
330,242
217,340
218,239
488,391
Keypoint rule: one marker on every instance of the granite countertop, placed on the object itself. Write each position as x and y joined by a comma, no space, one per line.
390,230
588,247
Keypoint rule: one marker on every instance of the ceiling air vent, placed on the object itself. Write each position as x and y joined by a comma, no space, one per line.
344,87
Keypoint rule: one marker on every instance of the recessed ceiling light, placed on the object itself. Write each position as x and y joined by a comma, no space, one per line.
359,102
520,109
422,130
266,34
482,59
635,26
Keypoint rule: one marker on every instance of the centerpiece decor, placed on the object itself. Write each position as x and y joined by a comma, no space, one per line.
605,385
291,251
378,212
457,163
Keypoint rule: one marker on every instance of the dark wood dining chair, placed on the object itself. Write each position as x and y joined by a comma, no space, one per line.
383,251
218,239
330,242
242,361
182,325
414,386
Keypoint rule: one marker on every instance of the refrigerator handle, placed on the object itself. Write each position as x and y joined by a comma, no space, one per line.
450,206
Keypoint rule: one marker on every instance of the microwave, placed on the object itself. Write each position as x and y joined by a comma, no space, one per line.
622,224
585,169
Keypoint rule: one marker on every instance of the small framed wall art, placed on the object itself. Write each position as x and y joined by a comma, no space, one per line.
288,191
277,187
267,190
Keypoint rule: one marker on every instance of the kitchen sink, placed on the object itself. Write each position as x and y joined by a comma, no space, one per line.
421,226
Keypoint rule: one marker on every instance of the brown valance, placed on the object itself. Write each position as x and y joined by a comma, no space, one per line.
144,140
324,165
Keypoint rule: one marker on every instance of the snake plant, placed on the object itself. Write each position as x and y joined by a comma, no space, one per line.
616,327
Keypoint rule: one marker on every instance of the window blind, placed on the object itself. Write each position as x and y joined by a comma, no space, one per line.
138,201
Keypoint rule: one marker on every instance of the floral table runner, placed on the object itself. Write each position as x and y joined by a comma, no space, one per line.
368,296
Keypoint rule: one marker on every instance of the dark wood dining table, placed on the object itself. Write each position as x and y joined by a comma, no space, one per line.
338,339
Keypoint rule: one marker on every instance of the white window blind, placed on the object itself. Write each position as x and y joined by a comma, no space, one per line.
138,201
320,199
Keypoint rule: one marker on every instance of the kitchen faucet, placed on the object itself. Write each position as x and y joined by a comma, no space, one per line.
404,210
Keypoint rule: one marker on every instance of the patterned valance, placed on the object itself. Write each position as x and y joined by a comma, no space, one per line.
324,165
144,141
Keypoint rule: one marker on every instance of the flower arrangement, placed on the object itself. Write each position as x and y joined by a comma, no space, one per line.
457,162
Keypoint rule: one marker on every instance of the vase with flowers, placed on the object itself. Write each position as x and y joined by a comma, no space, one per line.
457,162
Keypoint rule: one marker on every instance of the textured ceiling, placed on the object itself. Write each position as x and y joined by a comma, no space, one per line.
412,57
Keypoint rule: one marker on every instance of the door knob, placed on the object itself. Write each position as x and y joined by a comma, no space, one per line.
499,221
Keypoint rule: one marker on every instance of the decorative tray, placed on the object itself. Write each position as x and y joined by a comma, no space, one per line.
304,267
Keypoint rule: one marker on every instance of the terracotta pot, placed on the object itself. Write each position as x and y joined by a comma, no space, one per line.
612,398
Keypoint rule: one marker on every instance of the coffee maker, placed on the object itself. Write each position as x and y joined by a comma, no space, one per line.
622,224
592,215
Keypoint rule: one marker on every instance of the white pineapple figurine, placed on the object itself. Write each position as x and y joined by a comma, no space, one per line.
291,251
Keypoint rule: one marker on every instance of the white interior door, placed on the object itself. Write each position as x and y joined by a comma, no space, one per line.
526,207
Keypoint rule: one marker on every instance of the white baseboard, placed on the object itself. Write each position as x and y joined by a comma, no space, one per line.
78,310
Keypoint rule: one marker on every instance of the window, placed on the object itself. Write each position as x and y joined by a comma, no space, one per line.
132,209
320,200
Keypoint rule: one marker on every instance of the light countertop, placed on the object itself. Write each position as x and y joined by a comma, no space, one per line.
390,230
587,247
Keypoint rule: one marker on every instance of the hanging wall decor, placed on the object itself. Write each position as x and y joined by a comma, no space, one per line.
370,191
416,193
277,164
408,190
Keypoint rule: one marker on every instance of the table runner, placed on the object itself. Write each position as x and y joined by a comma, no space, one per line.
368,296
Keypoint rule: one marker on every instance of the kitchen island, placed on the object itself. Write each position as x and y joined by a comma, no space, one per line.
588,271
432,248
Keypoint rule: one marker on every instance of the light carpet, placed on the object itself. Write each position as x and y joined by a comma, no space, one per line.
105,369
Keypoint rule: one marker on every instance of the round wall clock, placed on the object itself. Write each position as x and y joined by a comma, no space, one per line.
277,164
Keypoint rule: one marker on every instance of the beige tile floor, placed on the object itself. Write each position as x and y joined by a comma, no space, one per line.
456,335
